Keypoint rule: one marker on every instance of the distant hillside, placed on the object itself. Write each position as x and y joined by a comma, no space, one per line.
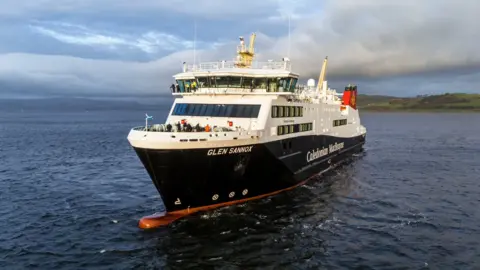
445,102
366,100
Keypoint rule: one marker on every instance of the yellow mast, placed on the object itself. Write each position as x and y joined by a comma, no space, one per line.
251,48
321,78
245,55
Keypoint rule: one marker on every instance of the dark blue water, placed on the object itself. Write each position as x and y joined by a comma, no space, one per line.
72,191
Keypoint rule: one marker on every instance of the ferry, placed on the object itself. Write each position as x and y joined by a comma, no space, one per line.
242,130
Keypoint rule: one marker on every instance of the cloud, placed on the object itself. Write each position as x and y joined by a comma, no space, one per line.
151,42
293,9
203,8
407,47
376,38
67,75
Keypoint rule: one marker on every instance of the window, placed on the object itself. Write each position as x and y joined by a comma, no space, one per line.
295,128
187,85
280,130
287,111
293,84
222,82
305,127
204,82
217,110
180,86
274,111
283,84
235,82
272,85
277,84
340,122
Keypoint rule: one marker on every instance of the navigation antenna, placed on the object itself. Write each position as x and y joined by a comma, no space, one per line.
194,42
289,38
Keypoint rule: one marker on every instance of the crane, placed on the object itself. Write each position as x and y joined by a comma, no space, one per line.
245,55
321,78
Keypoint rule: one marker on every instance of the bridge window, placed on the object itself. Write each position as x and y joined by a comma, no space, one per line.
277,84
205,82
217,110
186,85
340,122
221,82
287,111
293,84
295,128
181,88
284,84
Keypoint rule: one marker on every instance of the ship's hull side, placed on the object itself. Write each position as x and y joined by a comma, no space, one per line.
196,178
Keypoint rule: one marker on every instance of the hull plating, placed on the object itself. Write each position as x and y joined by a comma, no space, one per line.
199,178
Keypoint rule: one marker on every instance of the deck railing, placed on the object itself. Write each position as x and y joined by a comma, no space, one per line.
208,66
216,134
228,90
174,129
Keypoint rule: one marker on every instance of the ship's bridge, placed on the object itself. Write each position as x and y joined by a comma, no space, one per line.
271,77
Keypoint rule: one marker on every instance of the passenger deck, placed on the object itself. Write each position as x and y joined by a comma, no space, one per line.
157,137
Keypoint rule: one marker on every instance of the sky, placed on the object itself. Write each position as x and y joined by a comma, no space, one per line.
133,48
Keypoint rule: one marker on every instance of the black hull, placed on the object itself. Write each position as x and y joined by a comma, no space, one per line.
196,178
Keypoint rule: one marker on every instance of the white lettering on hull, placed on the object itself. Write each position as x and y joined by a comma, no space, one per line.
229,151
319,153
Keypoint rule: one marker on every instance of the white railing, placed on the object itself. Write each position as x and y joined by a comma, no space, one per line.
208,66
191,136
299,88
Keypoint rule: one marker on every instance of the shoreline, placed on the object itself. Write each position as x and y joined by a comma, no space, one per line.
417,111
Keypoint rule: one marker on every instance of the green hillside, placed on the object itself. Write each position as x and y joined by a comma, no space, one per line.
445,102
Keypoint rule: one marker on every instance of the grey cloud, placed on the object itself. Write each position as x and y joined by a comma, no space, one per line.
383,45
71,75
151,42
204,8
379,38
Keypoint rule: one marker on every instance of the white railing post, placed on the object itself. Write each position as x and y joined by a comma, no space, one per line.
285,64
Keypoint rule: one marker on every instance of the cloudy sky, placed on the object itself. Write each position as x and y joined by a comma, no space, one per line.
124,47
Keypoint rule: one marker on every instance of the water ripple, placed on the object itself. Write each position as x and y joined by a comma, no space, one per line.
72,194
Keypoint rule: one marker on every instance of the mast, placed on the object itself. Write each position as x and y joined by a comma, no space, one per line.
194,43
289,37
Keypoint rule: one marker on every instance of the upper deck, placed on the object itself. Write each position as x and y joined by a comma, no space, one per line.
239,76
227,77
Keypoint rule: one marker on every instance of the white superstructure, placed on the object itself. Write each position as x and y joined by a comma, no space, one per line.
244,102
